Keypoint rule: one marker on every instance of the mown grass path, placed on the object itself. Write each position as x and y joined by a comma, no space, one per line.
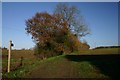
78,66
56,67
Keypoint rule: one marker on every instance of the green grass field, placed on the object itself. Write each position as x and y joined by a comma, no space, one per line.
99,63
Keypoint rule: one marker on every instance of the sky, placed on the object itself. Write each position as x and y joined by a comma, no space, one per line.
102,19
60,0
0,24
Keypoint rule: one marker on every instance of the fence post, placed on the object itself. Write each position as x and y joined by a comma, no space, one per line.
9,53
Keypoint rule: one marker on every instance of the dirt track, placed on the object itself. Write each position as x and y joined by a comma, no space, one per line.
107,64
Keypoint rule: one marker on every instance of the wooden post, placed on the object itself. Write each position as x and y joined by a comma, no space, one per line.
9,52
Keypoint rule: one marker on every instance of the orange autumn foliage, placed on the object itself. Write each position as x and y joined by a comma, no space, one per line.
51,35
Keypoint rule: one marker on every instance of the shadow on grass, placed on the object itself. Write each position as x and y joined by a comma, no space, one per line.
107,64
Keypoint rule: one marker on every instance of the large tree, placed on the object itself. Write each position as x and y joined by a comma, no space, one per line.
53,33
72,15
50,33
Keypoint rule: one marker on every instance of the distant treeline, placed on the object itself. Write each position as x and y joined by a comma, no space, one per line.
107,47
